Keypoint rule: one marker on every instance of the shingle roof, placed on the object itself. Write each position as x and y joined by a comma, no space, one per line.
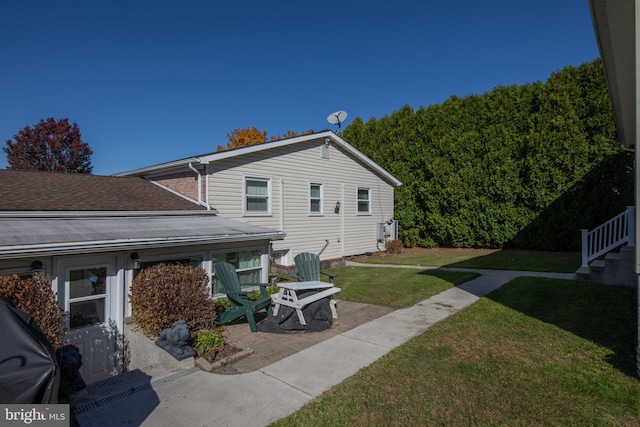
49,191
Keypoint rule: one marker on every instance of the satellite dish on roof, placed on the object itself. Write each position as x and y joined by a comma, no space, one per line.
337,118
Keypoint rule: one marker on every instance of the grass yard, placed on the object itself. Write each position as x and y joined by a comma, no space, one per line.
534,352
394,287
506,259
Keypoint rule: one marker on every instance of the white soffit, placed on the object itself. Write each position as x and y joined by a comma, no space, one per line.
614,25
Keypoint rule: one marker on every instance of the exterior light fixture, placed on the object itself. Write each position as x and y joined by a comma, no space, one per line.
135,260
37,268
337,209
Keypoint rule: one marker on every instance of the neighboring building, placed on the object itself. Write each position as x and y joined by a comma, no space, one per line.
91,234
615,24
326,195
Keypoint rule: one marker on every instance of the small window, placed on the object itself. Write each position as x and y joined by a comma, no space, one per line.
257,196
364,200
87,296
315,199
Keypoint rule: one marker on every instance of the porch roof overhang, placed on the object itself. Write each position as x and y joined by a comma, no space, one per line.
614,26
25,234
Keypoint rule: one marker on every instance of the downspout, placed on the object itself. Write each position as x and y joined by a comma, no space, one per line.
342,225
282,205
636,26
206,185
200,202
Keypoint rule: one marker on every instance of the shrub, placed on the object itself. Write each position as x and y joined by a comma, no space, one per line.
222,304
163,294
394,246
36,298
208,343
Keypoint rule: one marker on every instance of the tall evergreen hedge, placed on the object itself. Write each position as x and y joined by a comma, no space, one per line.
524,166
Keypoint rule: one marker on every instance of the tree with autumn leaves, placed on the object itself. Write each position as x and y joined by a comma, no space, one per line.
247,137
50,145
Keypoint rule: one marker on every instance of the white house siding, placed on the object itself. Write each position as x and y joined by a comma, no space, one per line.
292,168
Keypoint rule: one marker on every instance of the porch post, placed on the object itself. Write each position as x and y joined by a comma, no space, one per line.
636,154
585,247
631,226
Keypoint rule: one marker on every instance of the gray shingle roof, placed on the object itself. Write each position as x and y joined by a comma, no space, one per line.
49,191
44,213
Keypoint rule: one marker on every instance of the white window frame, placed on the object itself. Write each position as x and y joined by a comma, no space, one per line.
246,211
321,198
369,201
105,296
216,255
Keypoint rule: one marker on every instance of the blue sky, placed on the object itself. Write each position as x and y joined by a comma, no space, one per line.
155,81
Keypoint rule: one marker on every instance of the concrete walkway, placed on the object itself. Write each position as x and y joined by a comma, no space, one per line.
196,398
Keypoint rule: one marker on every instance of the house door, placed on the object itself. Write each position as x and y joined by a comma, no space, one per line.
90,296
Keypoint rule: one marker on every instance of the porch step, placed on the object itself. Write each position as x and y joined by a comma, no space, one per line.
615,268
600,264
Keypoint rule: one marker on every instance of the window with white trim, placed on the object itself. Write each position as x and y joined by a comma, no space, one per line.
257,195
364,201
248,265
316,204
87,296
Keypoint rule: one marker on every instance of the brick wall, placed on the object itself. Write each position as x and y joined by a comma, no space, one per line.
185,183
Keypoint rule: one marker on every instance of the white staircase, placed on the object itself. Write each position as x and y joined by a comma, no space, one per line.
608,252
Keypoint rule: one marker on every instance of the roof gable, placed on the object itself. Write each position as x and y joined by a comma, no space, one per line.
50,191
328,136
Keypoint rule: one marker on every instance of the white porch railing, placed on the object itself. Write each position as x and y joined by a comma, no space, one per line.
613,233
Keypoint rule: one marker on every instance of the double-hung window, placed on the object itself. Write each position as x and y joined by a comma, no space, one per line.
316,204
364,201
257,196
87,296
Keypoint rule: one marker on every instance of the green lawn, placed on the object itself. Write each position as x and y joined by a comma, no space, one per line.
506,259
534,352
394,287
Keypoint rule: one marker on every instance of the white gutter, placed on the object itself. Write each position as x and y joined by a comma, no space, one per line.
168,165
9,252
99,214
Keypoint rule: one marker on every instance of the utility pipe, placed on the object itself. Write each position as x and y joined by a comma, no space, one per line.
326,243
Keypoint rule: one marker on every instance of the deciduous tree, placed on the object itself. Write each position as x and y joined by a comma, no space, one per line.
51,145
244,137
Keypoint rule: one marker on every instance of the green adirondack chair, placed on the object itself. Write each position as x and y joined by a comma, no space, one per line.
308,267
241,305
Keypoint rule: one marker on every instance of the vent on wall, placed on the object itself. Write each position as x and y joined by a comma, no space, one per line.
325,149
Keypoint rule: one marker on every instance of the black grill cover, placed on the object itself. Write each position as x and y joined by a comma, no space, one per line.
317,315
28,369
